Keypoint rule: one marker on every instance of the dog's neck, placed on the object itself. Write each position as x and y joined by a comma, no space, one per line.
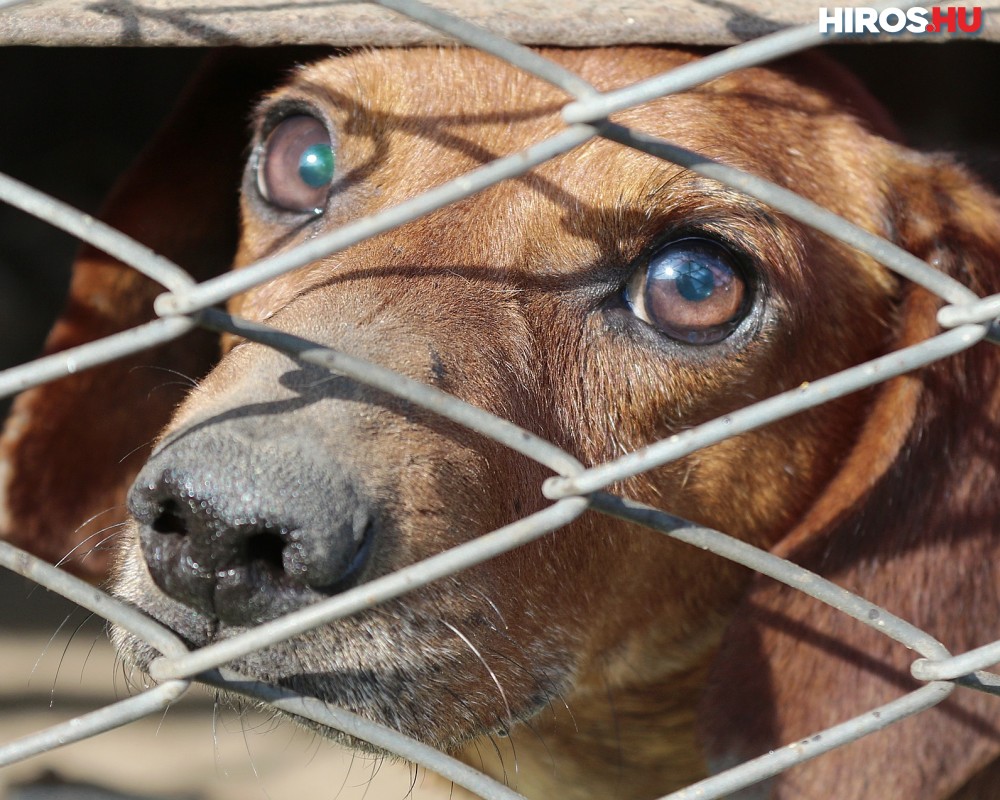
626,742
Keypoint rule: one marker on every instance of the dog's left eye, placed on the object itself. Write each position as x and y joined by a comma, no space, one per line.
691,289
296,166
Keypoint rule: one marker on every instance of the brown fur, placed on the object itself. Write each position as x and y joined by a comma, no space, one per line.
630,664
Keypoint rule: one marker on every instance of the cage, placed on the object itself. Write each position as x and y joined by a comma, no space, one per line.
87,86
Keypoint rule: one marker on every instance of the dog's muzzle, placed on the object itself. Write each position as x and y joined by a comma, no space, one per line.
244,528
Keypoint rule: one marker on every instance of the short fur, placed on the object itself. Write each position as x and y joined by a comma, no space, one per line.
615,662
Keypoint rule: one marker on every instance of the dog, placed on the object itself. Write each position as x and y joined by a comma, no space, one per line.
603,301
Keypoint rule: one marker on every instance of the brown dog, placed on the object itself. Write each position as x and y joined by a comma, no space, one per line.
603,301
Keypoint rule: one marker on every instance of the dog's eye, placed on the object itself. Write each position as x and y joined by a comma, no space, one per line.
296,166
690,289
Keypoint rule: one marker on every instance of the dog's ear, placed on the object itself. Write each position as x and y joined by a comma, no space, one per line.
71,448
908,522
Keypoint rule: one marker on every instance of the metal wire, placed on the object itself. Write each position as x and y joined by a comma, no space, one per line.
778,568
749,418
215,290
573,489
90,598
373,592
749,54
798,208
92,231
949,669
517,55
102,720
353,725
93,354
441,403
985,310
767,766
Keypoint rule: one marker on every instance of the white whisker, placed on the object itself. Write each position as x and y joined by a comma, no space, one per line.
492,674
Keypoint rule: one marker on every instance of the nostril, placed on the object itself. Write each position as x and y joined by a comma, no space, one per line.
244,541
266,549
170,519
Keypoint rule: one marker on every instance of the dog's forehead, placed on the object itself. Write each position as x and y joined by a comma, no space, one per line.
408,120
447,80
452,109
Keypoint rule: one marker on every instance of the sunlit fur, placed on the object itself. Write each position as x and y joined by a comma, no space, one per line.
593,654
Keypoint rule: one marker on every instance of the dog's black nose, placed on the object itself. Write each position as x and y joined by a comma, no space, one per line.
247,530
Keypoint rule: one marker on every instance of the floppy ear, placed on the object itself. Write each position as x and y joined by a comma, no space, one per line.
909,522
71,448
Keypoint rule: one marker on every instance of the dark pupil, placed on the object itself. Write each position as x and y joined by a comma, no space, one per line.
691,291
695,281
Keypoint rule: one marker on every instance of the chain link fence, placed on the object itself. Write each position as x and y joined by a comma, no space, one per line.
966,319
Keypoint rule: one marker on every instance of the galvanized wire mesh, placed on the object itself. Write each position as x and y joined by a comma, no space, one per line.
186,304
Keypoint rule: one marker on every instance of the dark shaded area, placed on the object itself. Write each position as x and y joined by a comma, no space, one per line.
73,119
943,96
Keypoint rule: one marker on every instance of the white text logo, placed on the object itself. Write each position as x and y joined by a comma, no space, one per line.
954,19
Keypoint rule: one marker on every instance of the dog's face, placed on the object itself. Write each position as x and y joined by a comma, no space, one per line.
604,301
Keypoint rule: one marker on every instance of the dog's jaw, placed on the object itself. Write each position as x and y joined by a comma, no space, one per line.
395,664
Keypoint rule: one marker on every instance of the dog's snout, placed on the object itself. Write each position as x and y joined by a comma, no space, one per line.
245,533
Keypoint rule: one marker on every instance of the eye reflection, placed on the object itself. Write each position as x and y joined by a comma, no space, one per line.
297,164
316,165
690,289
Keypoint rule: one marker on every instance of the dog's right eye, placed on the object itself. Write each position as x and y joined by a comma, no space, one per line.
296,166
691,289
